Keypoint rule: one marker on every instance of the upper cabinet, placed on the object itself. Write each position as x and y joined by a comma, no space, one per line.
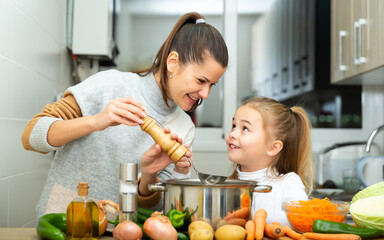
357,42
283,50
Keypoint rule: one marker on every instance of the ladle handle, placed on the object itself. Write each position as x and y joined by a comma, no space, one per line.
172,147
262,188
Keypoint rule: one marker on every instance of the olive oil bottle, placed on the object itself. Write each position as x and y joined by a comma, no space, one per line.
82,216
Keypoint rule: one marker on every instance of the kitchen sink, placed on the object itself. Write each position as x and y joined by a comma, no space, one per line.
332,194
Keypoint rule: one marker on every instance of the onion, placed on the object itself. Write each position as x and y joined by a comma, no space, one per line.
159,228
127,230
103,222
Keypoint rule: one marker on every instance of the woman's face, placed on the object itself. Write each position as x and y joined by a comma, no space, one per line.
193,81
246,142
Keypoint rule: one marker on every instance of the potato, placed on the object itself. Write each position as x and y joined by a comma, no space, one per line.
202,234
199,225
230,232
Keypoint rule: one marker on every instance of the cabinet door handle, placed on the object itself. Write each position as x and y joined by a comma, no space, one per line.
342,34
362,22
356,25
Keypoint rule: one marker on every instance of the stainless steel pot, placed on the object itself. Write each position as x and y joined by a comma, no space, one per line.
213,202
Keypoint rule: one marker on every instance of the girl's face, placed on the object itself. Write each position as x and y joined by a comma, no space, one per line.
193,81
246,142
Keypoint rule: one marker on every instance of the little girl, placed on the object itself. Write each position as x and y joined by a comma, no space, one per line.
270,143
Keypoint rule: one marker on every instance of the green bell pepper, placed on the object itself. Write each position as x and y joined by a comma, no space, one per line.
52,226
188,217
176,217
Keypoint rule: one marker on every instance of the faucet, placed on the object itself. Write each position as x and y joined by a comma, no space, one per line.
339,145
372,136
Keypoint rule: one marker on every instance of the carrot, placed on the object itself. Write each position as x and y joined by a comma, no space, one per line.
245,200
302,214
237,221
240,213
260,219
250,228
273,230
328,236
279,224
284,238
292,234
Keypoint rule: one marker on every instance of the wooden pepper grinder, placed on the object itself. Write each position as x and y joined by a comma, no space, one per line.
172,147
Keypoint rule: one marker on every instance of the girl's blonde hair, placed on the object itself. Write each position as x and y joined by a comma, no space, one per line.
292,127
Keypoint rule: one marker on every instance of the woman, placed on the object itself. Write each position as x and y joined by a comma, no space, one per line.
94,126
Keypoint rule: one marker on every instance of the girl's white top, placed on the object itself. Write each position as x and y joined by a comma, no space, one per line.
285,188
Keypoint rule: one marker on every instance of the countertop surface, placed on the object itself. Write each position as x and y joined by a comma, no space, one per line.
27,234
30,234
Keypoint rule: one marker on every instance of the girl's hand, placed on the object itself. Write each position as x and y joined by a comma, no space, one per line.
119,111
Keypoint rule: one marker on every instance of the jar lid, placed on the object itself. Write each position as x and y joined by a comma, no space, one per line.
128,171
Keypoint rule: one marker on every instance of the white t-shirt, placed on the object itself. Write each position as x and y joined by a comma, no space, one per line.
285,188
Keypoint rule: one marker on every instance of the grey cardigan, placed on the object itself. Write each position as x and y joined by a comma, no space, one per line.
95,158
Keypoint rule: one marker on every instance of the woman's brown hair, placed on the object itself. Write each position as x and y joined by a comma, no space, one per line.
291,126
193,43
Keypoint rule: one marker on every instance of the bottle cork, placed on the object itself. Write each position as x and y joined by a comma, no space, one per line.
82,189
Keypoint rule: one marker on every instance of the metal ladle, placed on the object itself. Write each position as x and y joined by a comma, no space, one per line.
209,179
174,149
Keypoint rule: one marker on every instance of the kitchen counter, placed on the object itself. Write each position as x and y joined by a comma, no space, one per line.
30,234
27,234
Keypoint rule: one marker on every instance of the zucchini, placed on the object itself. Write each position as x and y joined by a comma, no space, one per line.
141,218
182,236
323,226
145,236
145,212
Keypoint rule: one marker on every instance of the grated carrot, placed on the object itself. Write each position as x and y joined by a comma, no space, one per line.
302,214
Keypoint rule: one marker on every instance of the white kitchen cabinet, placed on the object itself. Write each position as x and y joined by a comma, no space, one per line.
92,28
356,40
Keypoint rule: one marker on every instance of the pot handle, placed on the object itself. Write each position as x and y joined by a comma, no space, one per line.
261,188
157,187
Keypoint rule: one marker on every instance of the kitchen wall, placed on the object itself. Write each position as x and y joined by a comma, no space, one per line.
34,68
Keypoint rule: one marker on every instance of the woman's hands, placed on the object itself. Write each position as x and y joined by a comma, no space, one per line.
182,166
155,160
119,111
